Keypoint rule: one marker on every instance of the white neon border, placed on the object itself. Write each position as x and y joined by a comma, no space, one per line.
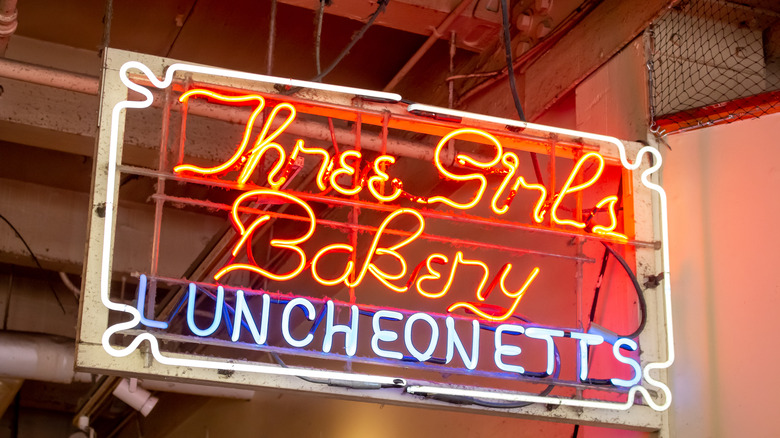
657,160
382,380
105,273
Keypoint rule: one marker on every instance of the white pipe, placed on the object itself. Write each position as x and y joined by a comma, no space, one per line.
8,23
195,389
50,359
52,77
138,398
69,284
79,83
37,357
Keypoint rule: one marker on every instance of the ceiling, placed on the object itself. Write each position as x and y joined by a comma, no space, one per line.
46,135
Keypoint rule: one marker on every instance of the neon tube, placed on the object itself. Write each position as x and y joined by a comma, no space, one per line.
517,295
108,226
308,312
454,342
385,335
428,353
291,244
568,188
346,169
464,160
381,177
230,163
502,349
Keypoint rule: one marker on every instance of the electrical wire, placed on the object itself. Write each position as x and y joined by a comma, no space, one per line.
509,62
637,288
599,280
513,405
318,34
513,84
608,250
35,259
271,38
109,14
380,7
462,400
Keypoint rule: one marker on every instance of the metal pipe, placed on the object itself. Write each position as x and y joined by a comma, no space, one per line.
382,207
437,33
79,83
69,284
38,357
319,131
536,51
158,208
51,359
8,23
52,77
353,226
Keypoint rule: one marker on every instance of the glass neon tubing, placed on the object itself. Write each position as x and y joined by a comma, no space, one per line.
657,161
108,226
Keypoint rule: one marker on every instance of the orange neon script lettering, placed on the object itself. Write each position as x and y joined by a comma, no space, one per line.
380,177
516,295
346,169
463,160
511,162
232,161
246,232
608,231
265,142
324,165
369,266
434,275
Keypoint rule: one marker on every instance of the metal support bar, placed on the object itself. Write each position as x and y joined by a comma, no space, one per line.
354,226
382,207
435,35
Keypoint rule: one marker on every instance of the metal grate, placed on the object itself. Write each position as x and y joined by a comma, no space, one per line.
714,61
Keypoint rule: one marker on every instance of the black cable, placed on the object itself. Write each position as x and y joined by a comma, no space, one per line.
35,259
269,62
637,287
109,14
509,62
599,281
380,7
513,84
513,405
509,405
281,363
318,34
608,250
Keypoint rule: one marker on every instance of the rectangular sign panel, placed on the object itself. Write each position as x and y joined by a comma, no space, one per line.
354,240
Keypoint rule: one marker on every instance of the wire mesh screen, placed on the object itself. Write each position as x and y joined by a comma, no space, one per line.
714,61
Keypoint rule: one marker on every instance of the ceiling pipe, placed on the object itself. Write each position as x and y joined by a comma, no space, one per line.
38,357
79,83
137,397
51,359
8,23
51,77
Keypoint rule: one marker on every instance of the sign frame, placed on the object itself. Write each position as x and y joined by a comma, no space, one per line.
144,359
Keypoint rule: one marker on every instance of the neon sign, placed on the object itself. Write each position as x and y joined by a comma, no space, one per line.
428,290
244,162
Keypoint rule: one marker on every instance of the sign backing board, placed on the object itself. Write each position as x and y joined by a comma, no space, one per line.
413,258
